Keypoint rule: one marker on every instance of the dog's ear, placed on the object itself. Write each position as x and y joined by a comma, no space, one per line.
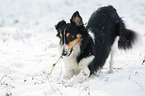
76,19
59,25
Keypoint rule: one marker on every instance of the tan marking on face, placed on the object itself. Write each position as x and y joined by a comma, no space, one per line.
67,34
73,43
79,36
60,35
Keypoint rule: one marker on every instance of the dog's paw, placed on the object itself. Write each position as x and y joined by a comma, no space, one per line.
68,84
110,71
67,76
61,81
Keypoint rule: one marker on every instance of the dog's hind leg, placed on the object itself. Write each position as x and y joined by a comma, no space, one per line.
111,62
112,53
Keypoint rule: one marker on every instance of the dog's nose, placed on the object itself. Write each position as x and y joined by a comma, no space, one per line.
64,53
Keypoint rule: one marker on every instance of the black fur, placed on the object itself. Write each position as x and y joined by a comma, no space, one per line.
106,26
59,26
127,38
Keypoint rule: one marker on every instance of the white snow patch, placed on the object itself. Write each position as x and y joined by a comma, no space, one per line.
29,48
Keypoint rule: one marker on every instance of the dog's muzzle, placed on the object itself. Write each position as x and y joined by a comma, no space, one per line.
66,52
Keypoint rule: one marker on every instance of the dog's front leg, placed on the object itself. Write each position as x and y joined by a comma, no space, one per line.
84,74
84,71
67,75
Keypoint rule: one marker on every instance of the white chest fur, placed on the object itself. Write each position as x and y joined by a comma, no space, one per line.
71,65
70,62
80,69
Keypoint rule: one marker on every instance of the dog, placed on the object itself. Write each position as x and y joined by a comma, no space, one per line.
86,48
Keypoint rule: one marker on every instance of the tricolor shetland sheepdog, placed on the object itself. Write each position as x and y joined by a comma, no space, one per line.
86,48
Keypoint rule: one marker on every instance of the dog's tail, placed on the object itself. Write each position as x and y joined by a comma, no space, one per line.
126,37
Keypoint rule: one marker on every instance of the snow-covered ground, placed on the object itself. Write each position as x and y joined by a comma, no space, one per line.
28,49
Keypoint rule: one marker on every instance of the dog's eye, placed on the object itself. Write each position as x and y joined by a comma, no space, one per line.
71,37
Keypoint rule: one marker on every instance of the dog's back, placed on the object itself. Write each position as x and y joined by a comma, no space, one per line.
106,25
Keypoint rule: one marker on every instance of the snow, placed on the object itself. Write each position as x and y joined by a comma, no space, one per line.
29,48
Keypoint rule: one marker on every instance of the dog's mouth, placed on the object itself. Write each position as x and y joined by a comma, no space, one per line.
65,53
70,52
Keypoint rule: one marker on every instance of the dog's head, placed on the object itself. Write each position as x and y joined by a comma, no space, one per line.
70,34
